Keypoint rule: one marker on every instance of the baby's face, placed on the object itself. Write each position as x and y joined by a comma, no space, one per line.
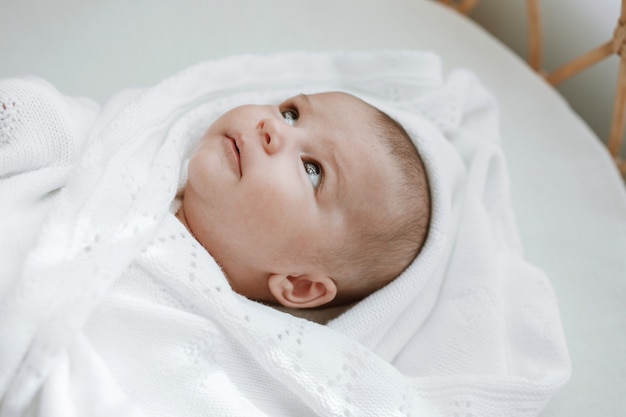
272,189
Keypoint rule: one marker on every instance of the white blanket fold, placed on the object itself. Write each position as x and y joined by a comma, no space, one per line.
110,307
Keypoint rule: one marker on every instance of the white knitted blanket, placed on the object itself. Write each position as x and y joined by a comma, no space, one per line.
109,307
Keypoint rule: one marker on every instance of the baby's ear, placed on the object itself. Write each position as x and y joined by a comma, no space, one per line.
302,291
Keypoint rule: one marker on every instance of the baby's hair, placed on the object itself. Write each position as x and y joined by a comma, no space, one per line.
385,251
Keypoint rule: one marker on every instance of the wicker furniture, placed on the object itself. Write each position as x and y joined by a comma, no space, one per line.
615,45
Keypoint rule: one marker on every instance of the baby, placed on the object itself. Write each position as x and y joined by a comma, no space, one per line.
319,201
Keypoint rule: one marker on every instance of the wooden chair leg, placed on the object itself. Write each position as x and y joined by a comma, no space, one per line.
535,41
461,6
581,63
619,112
466,6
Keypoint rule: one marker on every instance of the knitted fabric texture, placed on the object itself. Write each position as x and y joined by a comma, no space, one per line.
110,307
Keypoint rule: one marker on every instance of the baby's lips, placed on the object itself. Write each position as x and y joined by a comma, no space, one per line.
235,153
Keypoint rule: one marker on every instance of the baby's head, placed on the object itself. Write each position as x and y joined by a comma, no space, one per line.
322,199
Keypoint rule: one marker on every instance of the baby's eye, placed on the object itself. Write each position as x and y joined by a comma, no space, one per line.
314,171
290,116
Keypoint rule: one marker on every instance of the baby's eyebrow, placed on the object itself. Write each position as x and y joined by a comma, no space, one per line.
338,175
302,100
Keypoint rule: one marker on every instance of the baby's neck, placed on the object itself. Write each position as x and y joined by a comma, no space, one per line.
180,215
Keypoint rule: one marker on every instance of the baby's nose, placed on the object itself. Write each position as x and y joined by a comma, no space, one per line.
271,135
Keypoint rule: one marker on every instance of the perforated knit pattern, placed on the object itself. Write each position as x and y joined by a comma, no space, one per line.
9,118
119,304
35,129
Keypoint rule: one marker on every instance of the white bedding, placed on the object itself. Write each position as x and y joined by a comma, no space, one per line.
569,201
115,302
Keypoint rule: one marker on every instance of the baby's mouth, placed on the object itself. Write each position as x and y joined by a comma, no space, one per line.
236,152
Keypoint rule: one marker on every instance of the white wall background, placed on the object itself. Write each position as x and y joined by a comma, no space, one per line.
570,28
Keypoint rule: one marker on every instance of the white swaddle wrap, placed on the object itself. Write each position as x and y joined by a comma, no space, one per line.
110,307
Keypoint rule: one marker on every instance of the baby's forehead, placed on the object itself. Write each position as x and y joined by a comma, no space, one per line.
333,100
343,116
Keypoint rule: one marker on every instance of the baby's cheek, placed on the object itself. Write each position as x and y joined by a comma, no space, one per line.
196,171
